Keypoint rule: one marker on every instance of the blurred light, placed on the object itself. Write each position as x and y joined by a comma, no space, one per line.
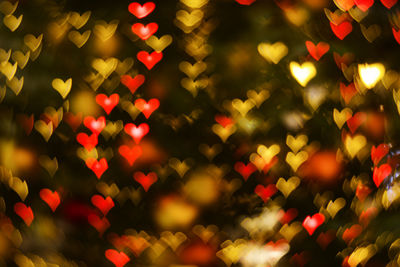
173,212
202,188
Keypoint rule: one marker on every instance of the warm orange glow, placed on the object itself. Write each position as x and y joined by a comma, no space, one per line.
107,48
85,102
202,189
198,253
173,212
322,167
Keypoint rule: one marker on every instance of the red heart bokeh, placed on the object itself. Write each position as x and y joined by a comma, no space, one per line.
96,126
149,60
88,142
223,120
245,170
377,153
245,2
141,11
362,191
130,154
347,92
265,192
51,198
145,180
24,212
138,132
107,103
341,30
144,31
147,108
380,173
118,258
317,51
355,121
103,204
132,83
100,224
98,167
312,223
388,3
364,5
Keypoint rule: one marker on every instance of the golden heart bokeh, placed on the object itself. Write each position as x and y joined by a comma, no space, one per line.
46,130
243,107
340,117
258,97
267,153
223,132
79,39
77,20
104,30
335,206
50,165
295,160
63,88
12,22
287,187
354,144
33,42
181,167
273,52
371,74
192,71
296,143
21,58
105,67
195,4
16,84
8,69
124,66
193,86
303,73
8,8
159,44
189,19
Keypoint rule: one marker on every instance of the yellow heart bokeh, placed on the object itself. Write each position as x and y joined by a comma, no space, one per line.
8,69
267,153
16,84
12,22
104,30
7,8
287,187
303,73
371,74
33,42
296,143
78,21
189,19
46,130
21,58
105,67
192,71
63,88
194,3
354,144
223,132
340,117
79,39
258,98
159,44
295,160
273,52
243,107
